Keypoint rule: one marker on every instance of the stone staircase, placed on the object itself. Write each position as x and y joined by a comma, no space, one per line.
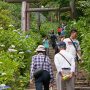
81,82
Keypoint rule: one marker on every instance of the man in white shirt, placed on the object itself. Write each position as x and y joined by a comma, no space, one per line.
69,44
65,65
73,47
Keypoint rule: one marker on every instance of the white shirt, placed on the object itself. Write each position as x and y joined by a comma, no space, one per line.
70,47
60,62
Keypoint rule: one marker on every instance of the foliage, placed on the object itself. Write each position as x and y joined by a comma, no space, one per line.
8,69
47,27
15,10
83,28
60,2
5,20
16,49
9,14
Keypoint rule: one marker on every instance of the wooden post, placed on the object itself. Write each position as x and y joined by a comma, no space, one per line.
59,15
28,18
38,20
73,9
24,16
63,9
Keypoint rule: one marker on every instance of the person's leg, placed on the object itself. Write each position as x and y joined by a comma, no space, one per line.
53,45
66,84
38,83
63,84
47,51
60,84
46,85
59,33
70,84
76,68
58,81
46,80
73,83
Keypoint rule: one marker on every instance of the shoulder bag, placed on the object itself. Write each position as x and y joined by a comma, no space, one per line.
77,55
38,72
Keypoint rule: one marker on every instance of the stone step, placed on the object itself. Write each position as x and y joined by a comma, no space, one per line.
81,78
51,52
52,59
51,55
83,84
76,88
77,84
82,88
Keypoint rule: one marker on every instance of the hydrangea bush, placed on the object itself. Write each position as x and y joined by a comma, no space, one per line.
16,50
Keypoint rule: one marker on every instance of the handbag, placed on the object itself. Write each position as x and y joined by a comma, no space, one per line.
38,72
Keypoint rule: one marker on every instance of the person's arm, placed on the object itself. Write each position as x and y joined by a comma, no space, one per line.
43,40
32,69
51,71
79,52
57,64
72,65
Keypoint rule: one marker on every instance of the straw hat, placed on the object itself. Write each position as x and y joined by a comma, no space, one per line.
40,48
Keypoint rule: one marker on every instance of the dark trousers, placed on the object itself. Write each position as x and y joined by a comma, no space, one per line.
59,33
47,51
43,81
53,44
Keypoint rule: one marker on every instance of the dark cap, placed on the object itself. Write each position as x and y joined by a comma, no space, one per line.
62,44
74,30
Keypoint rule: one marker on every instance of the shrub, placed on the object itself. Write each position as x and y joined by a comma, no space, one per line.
47,27
16,50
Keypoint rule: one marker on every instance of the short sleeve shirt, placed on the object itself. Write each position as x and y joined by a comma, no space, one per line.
46,43
70,47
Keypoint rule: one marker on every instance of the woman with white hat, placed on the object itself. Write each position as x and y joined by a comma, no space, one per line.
41,61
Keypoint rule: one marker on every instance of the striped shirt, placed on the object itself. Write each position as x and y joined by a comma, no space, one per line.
37,61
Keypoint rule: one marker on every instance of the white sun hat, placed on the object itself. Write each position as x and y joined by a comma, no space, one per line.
40,48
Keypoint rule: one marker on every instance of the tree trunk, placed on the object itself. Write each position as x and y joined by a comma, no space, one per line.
38,19
59,15
73,9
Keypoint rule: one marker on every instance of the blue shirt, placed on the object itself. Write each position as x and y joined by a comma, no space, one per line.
46,43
